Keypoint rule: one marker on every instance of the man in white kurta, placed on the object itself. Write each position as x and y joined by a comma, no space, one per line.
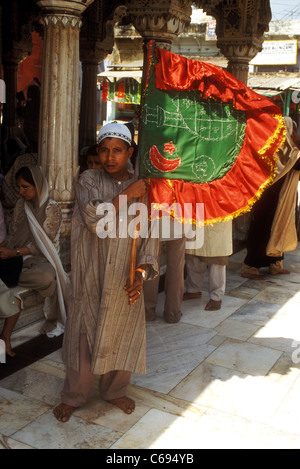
212,256
104,334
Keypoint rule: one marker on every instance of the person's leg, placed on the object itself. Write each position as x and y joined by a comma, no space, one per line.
277,268
262,216
41,276
78,384
174,282
217,285
150,290
113,387
196,271
8,327
251,272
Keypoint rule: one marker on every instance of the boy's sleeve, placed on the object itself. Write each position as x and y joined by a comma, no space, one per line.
88,197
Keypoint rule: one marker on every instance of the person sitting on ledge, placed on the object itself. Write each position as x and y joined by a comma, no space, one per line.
33,237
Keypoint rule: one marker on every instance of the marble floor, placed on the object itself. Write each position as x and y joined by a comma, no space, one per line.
224,379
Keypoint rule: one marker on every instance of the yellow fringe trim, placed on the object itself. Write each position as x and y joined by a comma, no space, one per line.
271,140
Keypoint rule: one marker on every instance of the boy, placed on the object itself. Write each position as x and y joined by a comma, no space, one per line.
93,158
105,331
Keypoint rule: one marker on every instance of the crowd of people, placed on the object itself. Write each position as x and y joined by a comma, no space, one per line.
102,305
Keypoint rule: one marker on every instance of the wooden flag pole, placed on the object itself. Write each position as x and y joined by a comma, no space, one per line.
137,229
133,251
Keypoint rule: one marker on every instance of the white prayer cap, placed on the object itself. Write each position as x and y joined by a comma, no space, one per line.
116,130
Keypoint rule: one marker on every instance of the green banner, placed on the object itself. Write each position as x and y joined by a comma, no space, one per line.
186,137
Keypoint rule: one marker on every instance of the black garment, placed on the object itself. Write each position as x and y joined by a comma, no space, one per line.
10,270
260,227
263,213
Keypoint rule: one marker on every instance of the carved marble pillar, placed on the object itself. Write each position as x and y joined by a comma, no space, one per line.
59,116
58,140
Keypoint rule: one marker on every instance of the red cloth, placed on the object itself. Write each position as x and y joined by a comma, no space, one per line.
255,166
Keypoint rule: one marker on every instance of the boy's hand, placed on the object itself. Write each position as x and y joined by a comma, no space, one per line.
134,291
137,188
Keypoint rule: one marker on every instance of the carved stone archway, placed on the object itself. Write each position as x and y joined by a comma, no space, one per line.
96,43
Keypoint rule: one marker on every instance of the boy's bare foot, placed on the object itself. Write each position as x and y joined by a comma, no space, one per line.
8,350
213,305
10,353
63,412
124,403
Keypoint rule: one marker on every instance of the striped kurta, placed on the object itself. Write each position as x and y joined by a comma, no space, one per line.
99,307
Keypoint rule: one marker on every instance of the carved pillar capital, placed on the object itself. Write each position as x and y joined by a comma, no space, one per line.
240,30
66,21
239,55
18,52
160,20
64,7
97,34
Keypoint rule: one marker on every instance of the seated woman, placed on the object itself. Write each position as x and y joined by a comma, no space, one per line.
34,234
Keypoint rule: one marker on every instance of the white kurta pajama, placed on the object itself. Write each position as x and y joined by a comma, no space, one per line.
214,253
115,332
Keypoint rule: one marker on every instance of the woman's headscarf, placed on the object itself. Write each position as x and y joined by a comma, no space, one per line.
36,214
38,206
9,189
23,237
40,183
